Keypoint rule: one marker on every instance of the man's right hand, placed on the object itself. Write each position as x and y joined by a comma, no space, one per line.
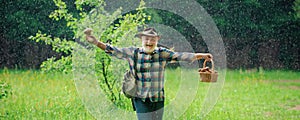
89,37
92,39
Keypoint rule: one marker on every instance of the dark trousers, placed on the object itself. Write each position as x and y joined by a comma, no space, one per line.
148,110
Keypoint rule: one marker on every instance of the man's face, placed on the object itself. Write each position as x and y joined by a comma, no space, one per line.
149,43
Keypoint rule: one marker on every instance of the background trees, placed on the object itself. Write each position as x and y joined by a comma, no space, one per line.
256,33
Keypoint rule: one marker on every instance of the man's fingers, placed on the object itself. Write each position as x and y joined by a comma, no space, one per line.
88,31
209,57
89,37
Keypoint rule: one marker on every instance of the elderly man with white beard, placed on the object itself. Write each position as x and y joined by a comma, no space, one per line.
150,67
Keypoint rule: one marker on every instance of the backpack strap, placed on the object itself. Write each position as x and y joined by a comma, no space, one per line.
159,56
135,59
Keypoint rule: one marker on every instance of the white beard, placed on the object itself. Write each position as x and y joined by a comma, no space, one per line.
149,50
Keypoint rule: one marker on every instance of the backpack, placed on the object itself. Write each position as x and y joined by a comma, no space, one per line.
129,87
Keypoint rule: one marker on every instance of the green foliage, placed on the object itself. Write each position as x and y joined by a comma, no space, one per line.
23,18
297,8
64,65
249,18
58,44
259,20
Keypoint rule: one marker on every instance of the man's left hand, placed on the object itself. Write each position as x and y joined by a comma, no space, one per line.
206,56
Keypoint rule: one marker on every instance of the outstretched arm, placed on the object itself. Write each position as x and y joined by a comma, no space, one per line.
91,39
109,49
185,56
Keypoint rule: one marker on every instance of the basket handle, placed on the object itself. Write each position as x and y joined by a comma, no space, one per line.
212,64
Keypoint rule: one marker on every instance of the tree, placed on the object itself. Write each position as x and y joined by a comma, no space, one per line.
113,27
20,19
258,22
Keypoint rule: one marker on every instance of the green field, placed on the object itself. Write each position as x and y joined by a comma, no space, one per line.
246,94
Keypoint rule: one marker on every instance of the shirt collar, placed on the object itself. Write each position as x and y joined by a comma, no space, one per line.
154,52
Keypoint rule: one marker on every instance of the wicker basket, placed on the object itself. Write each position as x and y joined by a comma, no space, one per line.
208,75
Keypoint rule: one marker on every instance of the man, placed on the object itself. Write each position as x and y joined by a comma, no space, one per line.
150,67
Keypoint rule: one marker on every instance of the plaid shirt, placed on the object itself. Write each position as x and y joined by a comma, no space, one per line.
150,68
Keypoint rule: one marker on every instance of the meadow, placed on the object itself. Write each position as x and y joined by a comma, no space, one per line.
246,94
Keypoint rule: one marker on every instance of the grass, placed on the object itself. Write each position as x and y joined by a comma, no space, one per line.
246,94
41,96
259,95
